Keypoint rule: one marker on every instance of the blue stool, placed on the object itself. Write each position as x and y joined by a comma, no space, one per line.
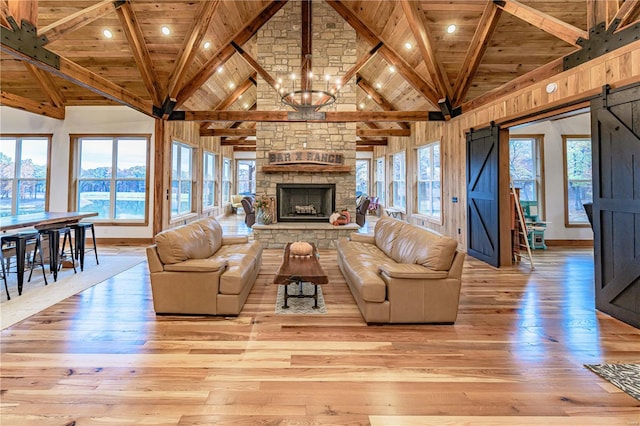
80,235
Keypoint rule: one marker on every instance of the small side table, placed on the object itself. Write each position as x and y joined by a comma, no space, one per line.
299,269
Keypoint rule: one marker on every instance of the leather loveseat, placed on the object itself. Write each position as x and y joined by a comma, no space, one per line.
196,270
402,273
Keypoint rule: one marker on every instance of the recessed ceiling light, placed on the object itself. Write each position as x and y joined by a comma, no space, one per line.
207,44
362,106
246,106
368,96
451,29
408,46
392,69
107,33
220,69
551,87
165,30
232,85
378,86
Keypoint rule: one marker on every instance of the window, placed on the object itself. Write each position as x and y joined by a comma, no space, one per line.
577,179
112,177
181,179
362,177
380,185
208,180
246,176
398,163
525,155
226,180
24,168
429,188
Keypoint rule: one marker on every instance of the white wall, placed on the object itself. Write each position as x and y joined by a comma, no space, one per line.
83,120
554,178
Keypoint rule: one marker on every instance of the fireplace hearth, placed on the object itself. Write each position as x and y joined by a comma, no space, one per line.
305,202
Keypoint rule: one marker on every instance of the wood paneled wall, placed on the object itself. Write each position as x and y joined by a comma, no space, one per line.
618,68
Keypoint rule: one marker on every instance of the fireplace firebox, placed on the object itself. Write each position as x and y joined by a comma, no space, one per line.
305,202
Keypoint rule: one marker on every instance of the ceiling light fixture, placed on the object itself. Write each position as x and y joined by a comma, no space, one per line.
220,70
165,30
452,28
207,44
107,33
408,46
306,99
392,69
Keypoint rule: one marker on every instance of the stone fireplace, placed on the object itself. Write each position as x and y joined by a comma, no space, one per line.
279,53
305,202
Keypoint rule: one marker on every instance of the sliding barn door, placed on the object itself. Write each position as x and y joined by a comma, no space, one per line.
483,215
615,122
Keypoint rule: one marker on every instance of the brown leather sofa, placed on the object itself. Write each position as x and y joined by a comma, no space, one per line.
402,273
196,270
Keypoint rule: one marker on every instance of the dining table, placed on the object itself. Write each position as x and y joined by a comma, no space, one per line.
39,221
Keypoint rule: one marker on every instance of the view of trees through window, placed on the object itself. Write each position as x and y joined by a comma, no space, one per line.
246,177
399,175
522,167
23,174
578,174
380,185
112,177
208,180
181,179
429,180
362,177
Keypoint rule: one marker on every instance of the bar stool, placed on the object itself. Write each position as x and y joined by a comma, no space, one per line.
19,243
4,273
55,253
80,235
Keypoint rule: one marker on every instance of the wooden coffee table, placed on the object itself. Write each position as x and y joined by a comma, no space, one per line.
300,269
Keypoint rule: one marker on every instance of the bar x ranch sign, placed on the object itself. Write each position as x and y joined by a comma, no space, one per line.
306,157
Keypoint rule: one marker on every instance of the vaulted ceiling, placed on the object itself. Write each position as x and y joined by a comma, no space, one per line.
497,45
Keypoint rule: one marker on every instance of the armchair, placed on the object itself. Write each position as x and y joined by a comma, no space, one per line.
361,211
236,203
249,211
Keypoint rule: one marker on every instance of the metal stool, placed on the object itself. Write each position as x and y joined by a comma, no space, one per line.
55,253
80,235
20,242
4,273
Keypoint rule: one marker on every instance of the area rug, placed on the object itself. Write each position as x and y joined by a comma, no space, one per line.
37,297
300,305
624,376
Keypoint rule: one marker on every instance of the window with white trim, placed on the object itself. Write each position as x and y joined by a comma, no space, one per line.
399,180
246,177
181,179
429,192
208,180
226,180
24,168
578,184
362,177
112,176
380,180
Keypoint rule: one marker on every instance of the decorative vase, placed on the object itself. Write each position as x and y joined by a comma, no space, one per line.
263,217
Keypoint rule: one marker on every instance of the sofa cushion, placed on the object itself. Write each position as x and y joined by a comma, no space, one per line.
386,232
183,242
241,260
213,231
423,247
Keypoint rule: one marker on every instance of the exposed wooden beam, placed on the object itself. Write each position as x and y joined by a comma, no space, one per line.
23,10
237,142
48,86
373,133
76,74
628,12
599,11
138,47
543,21
283,116
76,20
24,104
243,87
201,22
371,142
223,54
4,13
417,21
244,148
256,66
378,98
228,132
390,55
363,148
477,48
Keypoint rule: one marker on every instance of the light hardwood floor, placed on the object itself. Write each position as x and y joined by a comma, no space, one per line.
514,357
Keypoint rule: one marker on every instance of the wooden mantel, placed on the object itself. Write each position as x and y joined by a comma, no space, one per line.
310,168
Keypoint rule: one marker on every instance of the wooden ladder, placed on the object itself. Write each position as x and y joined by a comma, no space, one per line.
523,234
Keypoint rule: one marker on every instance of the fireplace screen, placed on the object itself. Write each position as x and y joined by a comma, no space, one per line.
305,202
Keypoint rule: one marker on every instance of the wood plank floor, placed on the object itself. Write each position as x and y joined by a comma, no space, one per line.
514,357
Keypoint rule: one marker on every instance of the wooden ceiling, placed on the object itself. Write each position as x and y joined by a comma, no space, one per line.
496,43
